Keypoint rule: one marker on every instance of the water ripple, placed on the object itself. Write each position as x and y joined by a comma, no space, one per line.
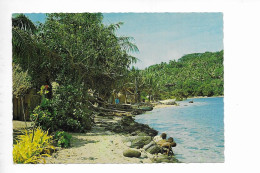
197,128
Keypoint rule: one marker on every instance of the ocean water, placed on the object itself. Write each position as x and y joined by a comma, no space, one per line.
197,128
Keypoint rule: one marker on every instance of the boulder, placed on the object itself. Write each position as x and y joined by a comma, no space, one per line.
143,155
141,134
146,108
165,159
137,141
128,125
127,120
137,111
128,144
191,101
132,153
168,144
154,149
149,145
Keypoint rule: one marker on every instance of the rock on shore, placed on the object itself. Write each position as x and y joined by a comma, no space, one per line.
113,139
127,125
137,141
161,158
132,153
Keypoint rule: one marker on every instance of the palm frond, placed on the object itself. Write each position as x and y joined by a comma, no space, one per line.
23,23
114,27
127,44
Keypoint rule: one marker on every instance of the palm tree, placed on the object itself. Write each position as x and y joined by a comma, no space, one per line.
32,54
23,47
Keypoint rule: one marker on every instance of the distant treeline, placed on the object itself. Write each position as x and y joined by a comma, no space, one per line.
197,74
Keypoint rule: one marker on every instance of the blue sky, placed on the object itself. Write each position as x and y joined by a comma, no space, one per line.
161,37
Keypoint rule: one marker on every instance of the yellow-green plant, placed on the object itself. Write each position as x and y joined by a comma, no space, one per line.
28,151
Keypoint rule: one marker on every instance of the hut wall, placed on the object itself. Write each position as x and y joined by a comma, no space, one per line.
31,100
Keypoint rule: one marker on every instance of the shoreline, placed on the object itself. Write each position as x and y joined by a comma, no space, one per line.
197,97
105,143
158,106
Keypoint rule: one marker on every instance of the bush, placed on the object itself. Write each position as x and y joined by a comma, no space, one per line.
21,81
62,138
28,151
67,111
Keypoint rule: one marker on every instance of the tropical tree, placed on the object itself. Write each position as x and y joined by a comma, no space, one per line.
21,85
91,52
80,53
31,54
198,74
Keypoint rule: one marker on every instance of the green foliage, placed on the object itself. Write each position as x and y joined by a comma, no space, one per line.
71,107
77,51
22,22
68,110
26,151
21,81
62,138
90,52
198,74
31,54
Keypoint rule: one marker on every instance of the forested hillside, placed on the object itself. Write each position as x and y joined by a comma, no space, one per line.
198,74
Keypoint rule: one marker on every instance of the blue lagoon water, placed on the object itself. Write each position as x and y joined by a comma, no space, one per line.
197,128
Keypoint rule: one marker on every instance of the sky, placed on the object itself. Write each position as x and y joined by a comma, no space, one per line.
161,37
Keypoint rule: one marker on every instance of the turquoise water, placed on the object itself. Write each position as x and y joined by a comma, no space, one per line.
197,128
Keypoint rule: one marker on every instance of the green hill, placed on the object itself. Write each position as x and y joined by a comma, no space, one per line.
197,74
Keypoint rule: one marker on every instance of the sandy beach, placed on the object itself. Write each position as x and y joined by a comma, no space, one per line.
96,146
164,103
158,106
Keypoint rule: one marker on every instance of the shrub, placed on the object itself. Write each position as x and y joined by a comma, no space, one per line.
62,138
21,81
42,114
71,109
28,151
67,110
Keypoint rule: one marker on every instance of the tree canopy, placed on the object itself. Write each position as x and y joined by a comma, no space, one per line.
198,74
81,54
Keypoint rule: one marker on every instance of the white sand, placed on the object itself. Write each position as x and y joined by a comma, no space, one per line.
162,106
97,146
